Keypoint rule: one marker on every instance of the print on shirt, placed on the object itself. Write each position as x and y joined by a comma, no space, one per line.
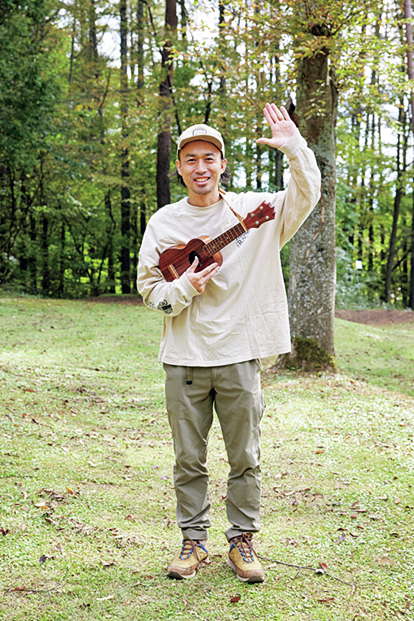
148,303
165,307
240,240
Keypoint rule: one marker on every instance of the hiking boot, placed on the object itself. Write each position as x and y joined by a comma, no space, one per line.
243,559
193,554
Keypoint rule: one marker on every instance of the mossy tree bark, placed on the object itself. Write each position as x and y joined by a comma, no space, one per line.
312,249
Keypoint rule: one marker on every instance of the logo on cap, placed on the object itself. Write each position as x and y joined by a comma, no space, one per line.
198,132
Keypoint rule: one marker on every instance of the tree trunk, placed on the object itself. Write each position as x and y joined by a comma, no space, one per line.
222,120
166,105
110,228
411,295
33,253
62,261
140,49
125,192
399,193
45,255
312,249
410,71
371,197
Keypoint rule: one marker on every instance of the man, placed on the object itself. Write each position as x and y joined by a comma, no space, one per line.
218,323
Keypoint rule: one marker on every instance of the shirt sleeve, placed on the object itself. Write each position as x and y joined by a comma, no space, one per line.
303,191
168,298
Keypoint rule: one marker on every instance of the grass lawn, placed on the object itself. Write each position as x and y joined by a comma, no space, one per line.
87,513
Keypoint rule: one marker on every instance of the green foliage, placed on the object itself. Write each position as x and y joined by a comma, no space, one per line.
66,123
28,88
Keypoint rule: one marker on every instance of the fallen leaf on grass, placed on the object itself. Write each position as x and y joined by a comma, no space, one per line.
324,567
35,421
43,559
49,519
235,599
19,588
102,599
107,563
129,517
341,537
324,600
71,491
42,505
4,531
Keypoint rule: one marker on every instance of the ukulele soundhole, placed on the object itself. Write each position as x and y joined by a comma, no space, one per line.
191,257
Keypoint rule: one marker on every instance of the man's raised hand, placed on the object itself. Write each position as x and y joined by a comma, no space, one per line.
281,125
199,280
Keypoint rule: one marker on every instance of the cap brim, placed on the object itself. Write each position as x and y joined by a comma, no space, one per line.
202,138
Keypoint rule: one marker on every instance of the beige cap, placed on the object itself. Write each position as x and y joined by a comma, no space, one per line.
201,132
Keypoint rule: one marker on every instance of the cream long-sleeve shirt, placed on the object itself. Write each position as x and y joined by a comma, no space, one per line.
242,314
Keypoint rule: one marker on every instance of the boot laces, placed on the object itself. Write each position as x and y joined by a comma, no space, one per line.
190,546
244,545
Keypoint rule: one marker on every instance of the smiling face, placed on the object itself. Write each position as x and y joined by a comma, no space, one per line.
200,166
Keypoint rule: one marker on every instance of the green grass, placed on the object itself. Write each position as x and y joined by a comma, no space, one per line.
86,477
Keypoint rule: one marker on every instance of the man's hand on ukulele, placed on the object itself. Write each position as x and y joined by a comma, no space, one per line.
281,125
199,280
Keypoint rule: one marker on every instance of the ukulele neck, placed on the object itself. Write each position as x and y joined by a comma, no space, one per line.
224,239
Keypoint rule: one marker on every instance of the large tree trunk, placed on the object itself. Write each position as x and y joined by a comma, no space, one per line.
166,105
312,249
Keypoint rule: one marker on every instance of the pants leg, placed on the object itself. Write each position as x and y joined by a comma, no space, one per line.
239,405
190,414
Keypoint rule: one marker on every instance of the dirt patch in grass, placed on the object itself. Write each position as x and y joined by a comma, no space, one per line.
130,300
377,317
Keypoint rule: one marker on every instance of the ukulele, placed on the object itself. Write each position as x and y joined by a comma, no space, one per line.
175,261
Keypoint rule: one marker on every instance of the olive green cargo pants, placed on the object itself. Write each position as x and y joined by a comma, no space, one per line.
235,392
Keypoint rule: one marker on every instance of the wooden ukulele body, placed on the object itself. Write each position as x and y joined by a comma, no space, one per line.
176,260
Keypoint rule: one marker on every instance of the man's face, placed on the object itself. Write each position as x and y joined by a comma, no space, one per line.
200,166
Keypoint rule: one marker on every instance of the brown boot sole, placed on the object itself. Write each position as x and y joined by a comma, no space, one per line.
177,576
251,579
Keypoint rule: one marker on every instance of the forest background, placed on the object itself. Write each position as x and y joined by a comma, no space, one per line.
94,93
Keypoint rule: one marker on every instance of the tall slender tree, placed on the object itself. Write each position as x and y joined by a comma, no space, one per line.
166,107
410,69
125,163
